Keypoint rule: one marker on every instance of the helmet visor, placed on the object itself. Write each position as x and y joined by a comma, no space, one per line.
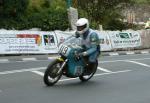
80,28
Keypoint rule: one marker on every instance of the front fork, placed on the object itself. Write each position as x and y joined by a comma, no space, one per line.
63,64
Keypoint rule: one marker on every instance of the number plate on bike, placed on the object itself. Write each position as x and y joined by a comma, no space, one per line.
64,50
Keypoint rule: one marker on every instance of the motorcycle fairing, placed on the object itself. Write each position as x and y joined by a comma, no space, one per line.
75,67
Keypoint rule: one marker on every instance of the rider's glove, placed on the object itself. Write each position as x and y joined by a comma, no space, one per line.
83,54
77,35
79,55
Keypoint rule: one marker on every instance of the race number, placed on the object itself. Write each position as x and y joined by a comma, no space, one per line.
63,49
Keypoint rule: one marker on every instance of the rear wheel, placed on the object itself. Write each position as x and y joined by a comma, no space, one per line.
51,75
86,76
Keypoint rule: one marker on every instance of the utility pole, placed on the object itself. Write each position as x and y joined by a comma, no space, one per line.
72,3
75,3
72,13
69,3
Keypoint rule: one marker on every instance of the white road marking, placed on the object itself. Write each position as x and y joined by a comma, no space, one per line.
105,70
3,60
138,63
129,53
54,57
96,75
119,60
123,60
41,74
67,79
102,69
123,71
28,59
113,54
145,52
40,68
23,70
38,72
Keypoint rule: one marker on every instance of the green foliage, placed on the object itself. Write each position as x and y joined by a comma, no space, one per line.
142,1
52,14
49,20
13,8
104,12
26,14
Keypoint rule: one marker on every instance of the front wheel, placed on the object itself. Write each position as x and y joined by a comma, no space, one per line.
51,75
85,77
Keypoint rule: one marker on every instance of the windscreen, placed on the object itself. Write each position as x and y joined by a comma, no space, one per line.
72,40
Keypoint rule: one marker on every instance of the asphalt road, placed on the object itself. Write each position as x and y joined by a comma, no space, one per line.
119,79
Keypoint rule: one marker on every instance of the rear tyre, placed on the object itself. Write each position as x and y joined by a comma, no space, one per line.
85,77
51,76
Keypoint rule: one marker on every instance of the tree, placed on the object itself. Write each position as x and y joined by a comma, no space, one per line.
50,15
102,11
13,8
26,14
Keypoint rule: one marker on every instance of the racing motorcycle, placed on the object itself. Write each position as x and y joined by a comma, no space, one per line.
69,64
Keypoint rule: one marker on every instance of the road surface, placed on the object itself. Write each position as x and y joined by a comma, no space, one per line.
119,79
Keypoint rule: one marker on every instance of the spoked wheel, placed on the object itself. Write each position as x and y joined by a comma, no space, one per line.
86,76
51,75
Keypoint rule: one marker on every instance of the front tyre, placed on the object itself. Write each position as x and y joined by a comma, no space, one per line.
51,76
85,77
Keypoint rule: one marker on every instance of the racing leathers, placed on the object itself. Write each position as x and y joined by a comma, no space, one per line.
91,45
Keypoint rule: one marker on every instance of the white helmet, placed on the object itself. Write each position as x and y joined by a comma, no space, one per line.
82,25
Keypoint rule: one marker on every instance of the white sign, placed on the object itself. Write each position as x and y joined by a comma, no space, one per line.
49,42
104,41
19,42
125,39
61,35
39,42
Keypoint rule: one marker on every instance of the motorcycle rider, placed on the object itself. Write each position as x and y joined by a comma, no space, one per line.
90,42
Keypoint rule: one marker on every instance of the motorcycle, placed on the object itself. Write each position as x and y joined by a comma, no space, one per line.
69,64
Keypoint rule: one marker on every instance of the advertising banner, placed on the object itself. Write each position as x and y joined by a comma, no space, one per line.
125,39
145,38
39,42
62,35
104,41
49,42
19,42
104,38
